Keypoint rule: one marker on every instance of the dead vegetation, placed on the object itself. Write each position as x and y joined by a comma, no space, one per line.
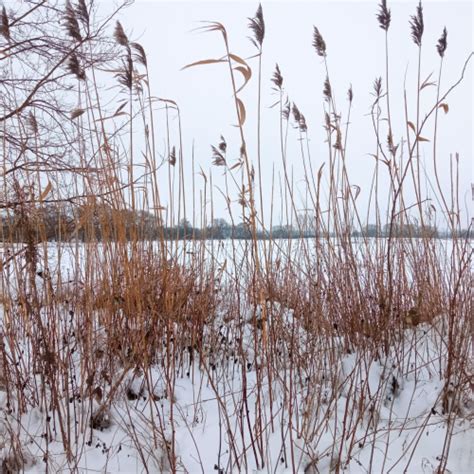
82,322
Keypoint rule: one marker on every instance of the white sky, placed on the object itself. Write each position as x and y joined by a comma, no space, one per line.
355,46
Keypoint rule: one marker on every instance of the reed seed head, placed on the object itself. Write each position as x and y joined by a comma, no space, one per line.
296,113
76,113
378,87
125,76
327,93
74,67
392,148
442,43
384,16
257,25
83,13
319,43
277,78
222,145
217,156
119,34
299,118
302,124
5,25
286,110
417,25
327,121
139,54
33,123
338,144
172,157
71,23
350,94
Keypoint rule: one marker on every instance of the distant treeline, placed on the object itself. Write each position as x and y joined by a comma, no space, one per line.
63,223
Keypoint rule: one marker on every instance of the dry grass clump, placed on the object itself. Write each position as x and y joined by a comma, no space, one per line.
144,303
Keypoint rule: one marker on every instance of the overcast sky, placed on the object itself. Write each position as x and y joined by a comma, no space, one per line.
355,46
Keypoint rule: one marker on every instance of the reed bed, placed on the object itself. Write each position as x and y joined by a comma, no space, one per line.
133,344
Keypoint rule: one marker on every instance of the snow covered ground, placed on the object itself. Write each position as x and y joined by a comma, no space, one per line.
374,412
